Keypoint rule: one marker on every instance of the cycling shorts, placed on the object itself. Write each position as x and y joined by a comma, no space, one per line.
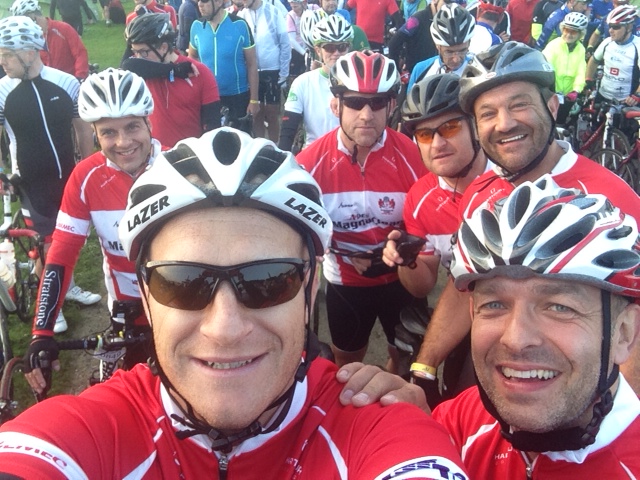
269,92
352,312
44,225
237,105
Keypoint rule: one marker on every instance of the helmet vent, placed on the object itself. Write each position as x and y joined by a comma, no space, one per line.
618,259
142,193
226,147
478,253
306,191
620,232
263,166
519,206
185,161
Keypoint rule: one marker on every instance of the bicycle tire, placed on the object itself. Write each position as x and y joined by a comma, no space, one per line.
6,351
15,392
618,141
25,295
615,161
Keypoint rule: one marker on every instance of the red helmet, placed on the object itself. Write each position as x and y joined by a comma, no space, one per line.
365,72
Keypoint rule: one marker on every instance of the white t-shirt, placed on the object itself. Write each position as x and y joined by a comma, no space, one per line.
310,96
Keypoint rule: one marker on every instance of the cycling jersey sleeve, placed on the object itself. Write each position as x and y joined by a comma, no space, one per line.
288,129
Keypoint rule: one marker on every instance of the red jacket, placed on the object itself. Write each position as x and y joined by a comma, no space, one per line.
65,50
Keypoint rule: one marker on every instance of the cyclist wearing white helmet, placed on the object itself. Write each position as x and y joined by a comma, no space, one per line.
38,109
452,30
553,275
298,46
309,97
117,103
365,170
65,50
551,28
566,54
509,91
619,53
225,231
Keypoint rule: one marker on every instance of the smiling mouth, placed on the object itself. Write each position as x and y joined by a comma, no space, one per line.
228,366
538,374
127,152
515,138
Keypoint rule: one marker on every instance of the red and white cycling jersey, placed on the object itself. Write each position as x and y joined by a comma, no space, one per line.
431,212
487,455
364,202
123,429
96,193
571,171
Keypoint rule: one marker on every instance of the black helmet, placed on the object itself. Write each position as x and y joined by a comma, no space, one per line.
431,96
452,25
503,63
150,28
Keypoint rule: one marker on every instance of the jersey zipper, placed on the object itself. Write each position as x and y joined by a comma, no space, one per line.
529,466
223,465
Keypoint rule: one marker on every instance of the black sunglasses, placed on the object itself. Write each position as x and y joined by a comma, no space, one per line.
358,103
192,286
615,26
335,47
448,129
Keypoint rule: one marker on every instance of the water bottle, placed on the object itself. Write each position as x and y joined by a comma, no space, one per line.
7,263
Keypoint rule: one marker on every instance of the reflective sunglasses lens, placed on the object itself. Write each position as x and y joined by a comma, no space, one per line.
267,285
191,287
185,287
358,103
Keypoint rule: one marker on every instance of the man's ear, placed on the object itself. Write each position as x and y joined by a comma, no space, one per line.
335,106
625,335
554,104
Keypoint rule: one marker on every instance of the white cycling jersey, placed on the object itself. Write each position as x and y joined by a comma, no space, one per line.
310,96
620,62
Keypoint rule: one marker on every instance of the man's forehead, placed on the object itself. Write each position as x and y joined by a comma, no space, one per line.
438,120
537,284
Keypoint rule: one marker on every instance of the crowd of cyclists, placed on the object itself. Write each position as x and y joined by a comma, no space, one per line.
429,130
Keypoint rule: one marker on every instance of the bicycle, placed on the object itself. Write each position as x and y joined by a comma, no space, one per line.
29,246
624,164
600,131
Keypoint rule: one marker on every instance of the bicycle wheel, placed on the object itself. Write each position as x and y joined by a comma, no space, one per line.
26,288
618,164
15,393
618,141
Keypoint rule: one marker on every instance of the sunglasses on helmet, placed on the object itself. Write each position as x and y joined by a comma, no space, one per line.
358,103
448,129
192,286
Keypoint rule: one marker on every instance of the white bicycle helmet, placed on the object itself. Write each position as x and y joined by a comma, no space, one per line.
225,167
23,7
21,33
503,63
452,25
541,229
364,72
114,93
307,22
575,20
622,15
332,29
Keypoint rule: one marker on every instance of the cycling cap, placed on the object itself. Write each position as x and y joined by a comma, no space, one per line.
150,28
504,63
23,7
364,72
496,6
430,97
21,33
114,93
332,29
622,14
452,25
307,22
575,20
541,229
224,167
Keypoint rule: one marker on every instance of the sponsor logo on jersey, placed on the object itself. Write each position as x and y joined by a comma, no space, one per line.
387,205
427,468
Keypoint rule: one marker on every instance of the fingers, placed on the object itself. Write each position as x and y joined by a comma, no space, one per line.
356,376
408,393
390,255
36,380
